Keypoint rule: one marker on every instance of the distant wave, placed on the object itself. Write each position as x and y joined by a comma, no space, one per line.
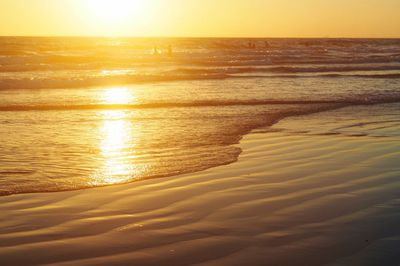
330,68
384,76
362,100
245,64
82,82
286,69
181,75
333,75
40,63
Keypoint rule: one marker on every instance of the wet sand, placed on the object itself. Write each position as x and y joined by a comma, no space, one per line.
291,199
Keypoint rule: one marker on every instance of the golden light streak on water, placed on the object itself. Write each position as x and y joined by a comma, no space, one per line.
117,140
118,95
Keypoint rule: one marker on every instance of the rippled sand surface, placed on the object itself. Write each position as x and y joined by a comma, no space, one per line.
297,196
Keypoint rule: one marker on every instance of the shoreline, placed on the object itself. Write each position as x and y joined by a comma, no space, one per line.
332,195
271,121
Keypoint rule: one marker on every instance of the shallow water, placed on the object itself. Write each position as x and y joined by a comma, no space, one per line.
79,113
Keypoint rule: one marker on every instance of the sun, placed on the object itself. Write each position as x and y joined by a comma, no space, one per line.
117,11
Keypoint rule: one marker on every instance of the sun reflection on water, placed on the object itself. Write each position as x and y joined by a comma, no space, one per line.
115,132
118,95
117,141
115,145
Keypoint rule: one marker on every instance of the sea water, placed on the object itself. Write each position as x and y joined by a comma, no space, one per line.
85,112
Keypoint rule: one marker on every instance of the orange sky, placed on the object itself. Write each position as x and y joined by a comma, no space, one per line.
204,18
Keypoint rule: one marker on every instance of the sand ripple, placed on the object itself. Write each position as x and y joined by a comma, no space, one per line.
321,199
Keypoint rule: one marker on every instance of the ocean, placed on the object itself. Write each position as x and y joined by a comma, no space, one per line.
79,113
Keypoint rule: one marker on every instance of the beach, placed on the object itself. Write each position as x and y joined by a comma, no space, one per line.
210,151
199,133
318,189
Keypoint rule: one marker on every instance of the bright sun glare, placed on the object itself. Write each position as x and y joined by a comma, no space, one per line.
117,11
118,96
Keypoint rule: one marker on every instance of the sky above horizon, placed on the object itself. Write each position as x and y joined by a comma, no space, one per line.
201,18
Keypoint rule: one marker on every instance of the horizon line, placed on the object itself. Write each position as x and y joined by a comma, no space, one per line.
191,37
